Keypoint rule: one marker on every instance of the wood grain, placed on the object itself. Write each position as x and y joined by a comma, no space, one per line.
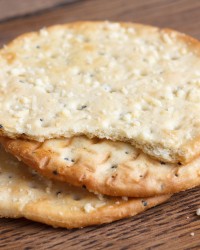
15,8
168,226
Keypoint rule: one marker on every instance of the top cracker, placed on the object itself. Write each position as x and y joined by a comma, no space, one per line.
124,82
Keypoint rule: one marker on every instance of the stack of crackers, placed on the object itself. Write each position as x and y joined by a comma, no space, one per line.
100,121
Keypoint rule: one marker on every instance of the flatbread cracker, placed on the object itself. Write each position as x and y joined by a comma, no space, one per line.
103,166
125,82
23,193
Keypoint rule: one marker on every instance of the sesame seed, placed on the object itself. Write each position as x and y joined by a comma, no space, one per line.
144,203
55,172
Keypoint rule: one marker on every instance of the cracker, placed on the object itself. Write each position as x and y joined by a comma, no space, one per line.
23,193
103,166
124,82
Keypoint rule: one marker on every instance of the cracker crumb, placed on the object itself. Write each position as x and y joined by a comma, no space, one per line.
198,212
100,205
100,197
124,198
88,208
192,234
74,208
48,190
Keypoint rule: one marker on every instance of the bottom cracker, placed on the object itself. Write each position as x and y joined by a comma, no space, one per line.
23,193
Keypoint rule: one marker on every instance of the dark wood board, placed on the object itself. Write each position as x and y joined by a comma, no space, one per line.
15,8
168,226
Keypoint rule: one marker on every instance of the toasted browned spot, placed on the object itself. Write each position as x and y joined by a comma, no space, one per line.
95,140
9,56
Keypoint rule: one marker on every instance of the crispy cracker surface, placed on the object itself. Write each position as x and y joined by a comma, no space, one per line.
103,166
23,193
124,82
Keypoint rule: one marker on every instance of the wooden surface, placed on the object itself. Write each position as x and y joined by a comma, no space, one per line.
15,8
168,226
